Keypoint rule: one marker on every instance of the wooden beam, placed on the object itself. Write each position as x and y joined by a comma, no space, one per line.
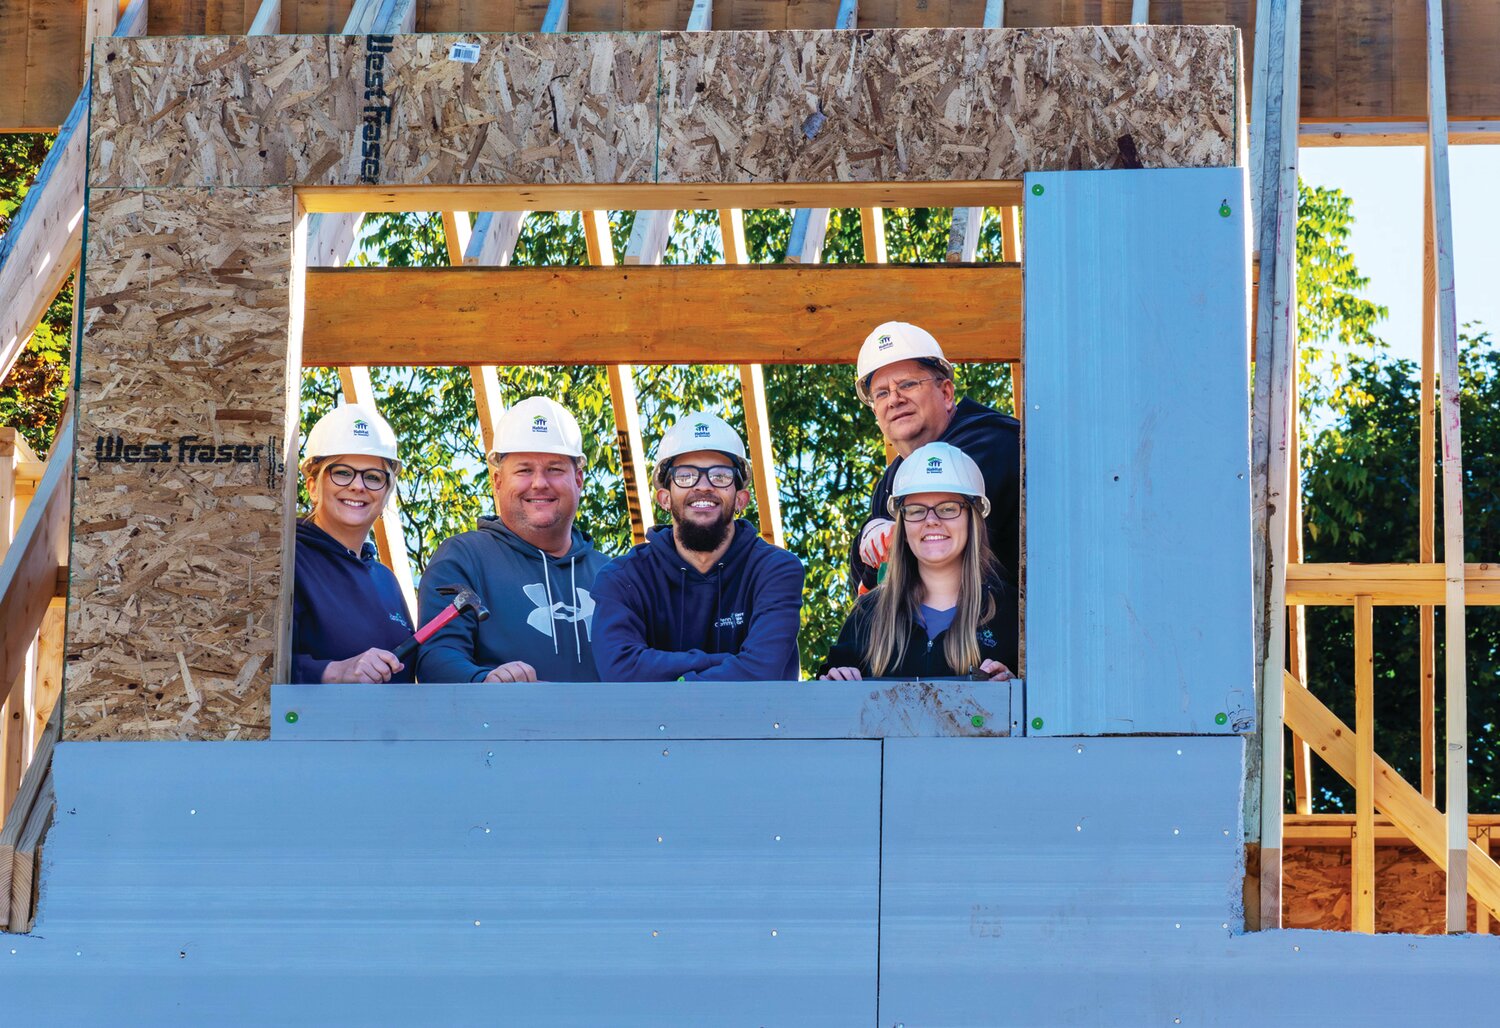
646,196
1426,493
23,868
1296,616
1338,829
1467,132
492,242
1422,823
390,541
267,19
1455,638
26,800
754,314
1363,864
1388,585
1273,179
28,574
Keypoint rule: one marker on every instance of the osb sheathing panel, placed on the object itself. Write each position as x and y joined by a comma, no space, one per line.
177,543
1409,890
943,104
294,110
793,106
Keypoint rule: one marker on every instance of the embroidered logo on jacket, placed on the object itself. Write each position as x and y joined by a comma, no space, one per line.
544,617
731,620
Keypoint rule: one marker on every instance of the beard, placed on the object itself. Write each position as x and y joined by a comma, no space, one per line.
703,538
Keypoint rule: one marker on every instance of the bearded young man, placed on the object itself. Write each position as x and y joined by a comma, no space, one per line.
704,598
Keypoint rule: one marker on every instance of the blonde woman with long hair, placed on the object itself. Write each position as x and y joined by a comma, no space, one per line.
943,609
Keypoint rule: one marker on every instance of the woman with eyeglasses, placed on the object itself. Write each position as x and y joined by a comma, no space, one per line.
348,612
943,609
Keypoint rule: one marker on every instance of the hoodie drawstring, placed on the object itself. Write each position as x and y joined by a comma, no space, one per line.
552,618
577,607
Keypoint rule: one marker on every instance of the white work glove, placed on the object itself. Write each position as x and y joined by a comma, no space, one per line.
875,541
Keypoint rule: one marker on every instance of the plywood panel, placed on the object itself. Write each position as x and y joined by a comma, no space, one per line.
54,61
291,109
579,883
1138,614
15,38
1410,891
900,105
183,386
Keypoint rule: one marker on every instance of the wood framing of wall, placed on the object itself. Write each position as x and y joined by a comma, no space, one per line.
201,147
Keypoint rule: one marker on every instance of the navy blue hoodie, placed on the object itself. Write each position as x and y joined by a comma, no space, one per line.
342,604
658,619
540,608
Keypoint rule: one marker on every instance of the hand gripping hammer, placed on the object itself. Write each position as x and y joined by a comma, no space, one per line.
464,602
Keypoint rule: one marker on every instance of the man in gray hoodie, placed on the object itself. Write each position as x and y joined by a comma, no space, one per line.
530,566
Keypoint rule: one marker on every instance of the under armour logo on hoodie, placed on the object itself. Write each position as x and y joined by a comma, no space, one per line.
545,615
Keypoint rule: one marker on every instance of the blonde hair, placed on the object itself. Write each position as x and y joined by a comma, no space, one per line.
899,598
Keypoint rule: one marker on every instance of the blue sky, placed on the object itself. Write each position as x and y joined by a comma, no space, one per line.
1386,186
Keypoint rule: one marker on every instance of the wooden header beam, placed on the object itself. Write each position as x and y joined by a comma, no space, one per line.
671,314
1387,585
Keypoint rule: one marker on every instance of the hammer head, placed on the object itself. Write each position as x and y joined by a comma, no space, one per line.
466,601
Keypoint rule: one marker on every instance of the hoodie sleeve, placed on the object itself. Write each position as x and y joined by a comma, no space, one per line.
770,646
860,573
449,655
306,669
620,650
849,649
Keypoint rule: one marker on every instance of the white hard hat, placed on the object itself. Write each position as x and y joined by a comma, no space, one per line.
699,431
891,342
938,468
537,425
352,428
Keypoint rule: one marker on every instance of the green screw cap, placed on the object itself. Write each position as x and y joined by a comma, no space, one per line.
291,717
1225,210
1036,723
1037,190
1221,718
977,721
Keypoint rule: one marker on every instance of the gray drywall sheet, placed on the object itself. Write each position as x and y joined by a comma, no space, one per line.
575,883
1138,592
1097,882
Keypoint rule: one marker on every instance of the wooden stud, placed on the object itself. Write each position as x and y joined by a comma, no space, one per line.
1364,766
49,663
1140,12
872,232
492,241
26,800
1426,498
1296,617
390,540
1273,177
23,883
1010,232
633,466
267,19
668,314
1417,819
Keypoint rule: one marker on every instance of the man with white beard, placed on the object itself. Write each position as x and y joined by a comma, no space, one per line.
704,598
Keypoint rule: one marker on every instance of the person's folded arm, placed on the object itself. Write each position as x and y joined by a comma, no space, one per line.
620,650
771,639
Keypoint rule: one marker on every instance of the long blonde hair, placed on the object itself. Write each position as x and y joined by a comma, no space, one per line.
899,598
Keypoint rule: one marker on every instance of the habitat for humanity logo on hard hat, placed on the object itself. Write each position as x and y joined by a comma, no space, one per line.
934,465
883,343
700,430
539,424
361,427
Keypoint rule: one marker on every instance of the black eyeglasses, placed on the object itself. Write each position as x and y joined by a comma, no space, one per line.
947,510
374,479
685,476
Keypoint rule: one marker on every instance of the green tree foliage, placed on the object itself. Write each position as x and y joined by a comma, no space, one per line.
1360,484
827,446
32,395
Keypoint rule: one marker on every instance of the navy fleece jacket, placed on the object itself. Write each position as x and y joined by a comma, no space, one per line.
541,610
343,603
659,619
